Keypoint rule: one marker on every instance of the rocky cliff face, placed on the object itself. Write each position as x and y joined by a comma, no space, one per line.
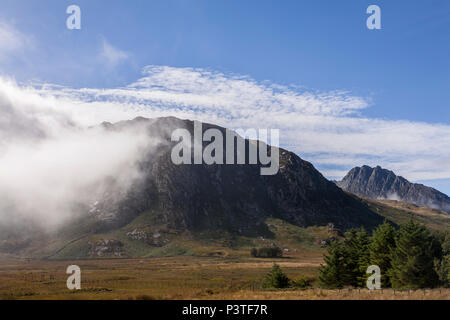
235,198
378,183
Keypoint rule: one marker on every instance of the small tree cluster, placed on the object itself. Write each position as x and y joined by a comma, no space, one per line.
266,252
410,257
277,279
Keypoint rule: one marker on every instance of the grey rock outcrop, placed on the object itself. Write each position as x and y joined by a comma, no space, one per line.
379,183
105,247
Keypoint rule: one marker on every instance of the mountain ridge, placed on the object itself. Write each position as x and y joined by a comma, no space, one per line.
379,183
306,197
170,199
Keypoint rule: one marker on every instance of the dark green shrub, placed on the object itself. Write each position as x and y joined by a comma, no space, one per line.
275,279
302,283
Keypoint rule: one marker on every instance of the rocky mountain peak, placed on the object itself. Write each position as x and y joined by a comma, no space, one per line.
235,198
379,183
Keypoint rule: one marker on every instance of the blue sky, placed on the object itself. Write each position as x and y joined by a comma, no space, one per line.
402,72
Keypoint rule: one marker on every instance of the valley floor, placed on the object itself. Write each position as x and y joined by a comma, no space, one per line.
176,278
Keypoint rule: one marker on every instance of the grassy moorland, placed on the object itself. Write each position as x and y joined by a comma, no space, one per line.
207,266
154,278
400,212
177,278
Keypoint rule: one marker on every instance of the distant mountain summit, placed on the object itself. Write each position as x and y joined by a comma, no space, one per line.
379,183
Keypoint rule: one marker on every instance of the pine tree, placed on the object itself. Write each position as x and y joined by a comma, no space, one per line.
412,259
334,273
275,279
382,243
443,264
356,246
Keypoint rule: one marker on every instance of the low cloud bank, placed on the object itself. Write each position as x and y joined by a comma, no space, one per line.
52,164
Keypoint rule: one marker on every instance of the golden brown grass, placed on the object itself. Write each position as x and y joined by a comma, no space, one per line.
344,294
400,212
175,278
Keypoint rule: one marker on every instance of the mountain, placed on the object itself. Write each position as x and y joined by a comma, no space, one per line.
169,199
379,183
236,198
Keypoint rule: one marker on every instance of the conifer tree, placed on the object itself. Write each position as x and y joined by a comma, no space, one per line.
412,258
356,245
443,265
382,243
334,273
276,279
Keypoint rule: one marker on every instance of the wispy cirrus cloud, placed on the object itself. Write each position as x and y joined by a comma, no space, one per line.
12,41
110,55
326,128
